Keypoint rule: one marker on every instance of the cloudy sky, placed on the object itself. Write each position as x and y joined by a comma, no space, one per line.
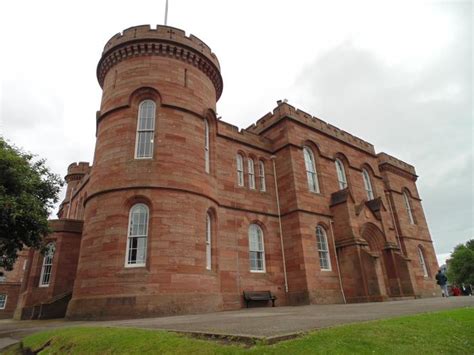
397,74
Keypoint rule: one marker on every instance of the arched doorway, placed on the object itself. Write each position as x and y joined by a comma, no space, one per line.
373,260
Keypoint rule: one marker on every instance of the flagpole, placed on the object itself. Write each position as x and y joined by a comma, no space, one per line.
166,13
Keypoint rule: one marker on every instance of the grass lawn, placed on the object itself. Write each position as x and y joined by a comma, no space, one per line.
446,332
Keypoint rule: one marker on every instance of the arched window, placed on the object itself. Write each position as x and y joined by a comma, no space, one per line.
137,236
47,267
145,130
406,199
422,262
251,172
256,249
323,249
240,170
206,146
311,175
367,184
208,242
341,174
261,175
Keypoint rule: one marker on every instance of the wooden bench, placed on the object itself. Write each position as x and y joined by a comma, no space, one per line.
259,296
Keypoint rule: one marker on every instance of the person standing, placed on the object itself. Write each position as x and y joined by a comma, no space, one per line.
442,281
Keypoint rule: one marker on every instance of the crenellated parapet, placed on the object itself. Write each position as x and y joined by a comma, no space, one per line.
163,41
284,110
243,136
388,162
76,171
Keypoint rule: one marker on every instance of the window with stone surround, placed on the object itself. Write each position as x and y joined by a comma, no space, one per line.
251,172
341,174
323,249
311,174
206,146
261,175
406,200
240,170
47,266
208,241
256,249
3,301
145,130
421,256
367,184
137,236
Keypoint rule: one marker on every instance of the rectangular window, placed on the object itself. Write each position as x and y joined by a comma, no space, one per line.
323,249
422,263
208,243
145,130
206,147
261,172
3,301
240,170
137,236
47,267
256,249
251,174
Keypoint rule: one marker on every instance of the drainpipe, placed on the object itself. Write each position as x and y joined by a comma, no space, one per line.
273,157
337,262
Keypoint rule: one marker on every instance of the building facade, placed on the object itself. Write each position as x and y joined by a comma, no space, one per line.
181,212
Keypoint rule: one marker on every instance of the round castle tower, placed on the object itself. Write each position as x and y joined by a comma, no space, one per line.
152,185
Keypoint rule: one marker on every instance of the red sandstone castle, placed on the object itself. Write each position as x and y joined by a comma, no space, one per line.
181,212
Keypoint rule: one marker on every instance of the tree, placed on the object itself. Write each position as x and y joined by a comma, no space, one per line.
461,264
28,192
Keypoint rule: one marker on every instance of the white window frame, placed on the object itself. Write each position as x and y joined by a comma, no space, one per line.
240,169
47,265
208,241
145,130
261,175
367,184
129,264
323,249
311,172
341,174
258,247
408,207
207,164
3,300
251,173
421,256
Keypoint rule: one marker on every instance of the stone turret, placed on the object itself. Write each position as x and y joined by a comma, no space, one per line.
179,78
75,174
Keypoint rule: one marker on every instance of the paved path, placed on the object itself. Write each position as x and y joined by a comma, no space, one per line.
257,323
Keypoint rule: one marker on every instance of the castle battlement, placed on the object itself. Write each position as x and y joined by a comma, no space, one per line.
76,171
167,33
162,41
243,135
385,158
284,110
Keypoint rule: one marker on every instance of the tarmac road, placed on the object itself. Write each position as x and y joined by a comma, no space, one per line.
271,324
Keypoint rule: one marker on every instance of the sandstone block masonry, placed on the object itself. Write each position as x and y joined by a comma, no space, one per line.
181,212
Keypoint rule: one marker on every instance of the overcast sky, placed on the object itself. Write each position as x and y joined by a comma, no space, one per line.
397,74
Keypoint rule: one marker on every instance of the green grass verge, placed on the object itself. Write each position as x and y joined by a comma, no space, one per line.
449,332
